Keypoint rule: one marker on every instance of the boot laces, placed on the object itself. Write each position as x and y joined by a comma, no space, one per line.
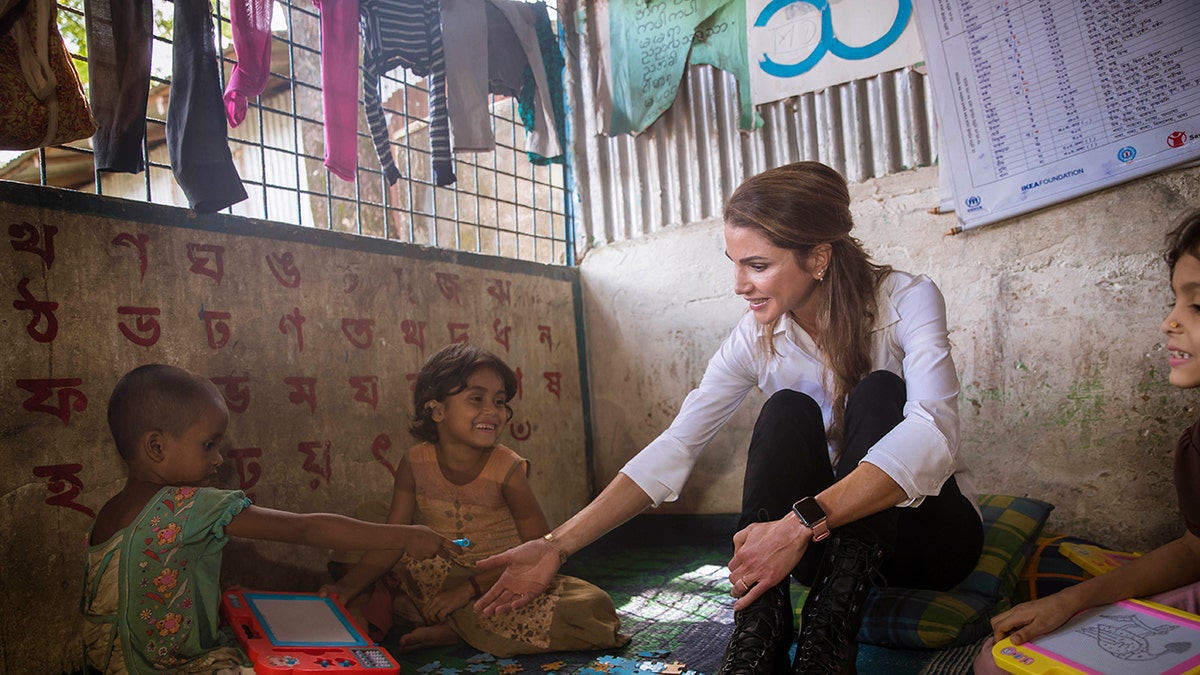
756,633
827,637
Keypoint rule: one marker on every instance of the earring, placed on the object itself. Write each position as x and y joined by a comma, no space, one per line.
821,275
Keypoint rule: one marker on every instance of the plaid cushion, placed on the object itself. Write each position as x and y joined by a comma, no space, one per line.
1048,570
918,619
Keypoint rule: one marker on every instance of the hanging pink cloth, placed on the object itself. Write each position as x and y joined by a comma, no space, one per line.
339,82
251,21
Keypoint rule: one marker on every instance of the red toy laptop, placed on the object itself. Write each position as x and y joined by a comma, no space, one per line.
285,633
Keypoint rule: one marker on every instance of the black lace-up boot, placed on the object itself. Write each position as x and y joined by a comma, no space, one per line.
762,635
832,614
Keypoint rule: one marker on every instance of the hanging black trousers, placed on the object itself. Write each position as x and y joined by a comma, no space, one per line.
932,546
120,42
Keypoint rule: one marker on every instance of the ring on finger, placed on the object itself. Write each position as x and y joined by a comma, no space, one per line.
742,581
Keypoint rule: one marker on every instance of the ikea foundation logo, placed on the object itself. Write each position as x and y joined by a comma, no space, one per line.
1127,153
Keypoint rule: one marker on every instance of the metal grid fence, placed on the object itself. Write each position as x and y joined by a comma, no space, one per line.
501,204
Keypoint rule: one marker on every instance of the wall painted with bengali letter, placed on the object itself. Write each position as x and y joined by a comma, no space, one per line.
313,337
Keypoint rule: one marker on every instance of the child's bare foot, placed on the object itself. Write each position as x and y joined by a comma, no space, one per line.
428,636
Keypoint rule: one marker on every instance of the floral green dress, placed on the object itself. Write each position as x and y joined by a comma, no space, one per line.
152,591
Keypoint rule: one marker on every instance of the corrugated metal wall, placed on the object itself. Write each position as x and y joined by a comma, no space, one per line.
682,168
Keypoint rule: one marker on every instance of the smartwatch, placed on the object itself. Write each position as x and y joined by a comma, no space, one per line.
813,516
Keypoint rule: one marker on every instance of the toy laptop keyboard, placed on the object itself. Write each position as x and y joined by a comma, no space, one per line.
286,633
1131,637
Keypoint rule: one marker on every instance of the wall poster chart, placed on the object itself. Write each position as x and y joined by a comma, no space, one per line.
1040,101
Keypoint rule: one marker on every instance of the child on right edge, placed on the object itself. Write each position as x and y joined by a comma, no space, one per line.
151,593
1172,571
462,482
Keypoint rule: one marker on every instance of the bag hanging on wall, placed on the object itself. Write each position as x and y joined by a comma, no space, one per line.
41,99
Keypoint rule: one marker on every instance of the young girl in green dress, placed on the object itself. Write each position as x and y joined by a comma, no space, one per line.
152,591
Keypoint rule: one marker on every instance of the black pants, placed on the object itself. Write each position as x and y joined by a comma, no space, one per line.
120,40
933,546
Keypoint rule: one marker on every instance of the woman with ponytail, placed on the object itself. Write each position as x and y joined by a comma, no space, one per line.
853,474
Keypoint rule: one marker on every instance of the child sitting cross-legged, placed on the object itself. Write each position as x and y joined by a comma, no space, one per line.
462,482
152,591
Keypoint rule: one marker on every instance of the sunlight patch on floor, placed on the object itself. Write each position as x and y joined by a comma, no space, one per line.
681,599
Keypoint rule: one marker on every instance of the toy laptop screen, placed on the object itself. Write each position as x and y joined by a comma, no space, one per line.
1127,638
303,621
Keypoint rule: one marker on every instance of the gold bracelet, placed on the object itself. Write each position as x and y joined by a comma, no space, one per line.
562,555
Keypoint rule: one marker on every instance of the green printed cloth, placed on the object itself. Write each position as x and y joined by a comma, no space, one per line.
650,45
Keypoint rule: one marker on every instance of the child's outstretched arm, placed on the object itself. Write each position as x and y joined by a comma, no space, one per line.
1167,567
329,530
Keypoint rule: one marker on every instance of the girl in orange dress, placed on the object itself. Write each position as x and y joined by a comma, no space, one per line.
461,482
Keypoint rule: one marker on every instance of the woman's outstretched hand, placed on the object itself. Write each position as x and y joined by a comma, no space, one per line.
763,555
529,569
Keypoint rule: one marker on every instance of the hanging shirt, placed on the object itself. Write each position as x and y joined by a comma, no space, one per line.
540,98
502,47
406,33
251,21
251,24
339,85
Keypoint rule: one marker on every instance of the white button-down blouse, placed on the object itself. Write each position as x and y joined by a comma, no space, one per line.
909,339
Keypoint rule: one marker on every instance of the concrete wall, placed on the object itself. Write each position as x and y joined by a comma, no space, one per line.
1054,322
314,337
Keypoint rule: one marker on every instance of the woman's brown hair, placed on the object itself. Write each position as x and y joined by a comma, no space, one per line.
798,207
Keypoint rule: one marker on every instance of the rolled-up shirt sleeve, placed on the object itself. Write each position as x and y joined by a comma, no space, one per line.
663,466
921,452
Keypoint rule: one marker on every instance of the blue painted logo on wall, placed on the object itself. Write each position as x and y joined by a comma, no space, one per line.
829,43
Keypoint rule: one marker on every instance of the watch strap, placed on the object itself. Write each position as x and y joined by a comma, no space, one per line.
819,529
